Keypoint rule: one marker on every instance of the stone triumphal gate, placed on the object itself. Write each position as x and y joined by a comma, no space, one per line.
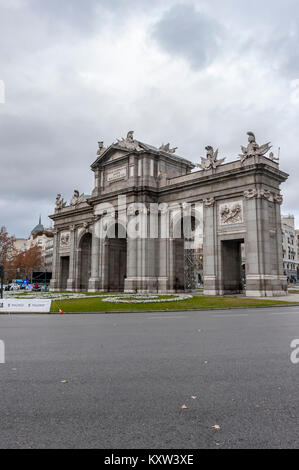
230,204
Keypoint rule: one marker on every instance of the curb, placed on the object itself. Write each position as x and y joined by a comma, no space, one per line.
152,311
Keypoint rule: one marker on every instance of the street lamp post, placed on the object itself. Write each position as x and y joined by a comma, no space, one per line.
1,280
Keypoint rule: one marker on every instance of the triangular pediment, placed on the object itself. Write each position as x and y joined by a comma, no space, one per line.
113,152
129,145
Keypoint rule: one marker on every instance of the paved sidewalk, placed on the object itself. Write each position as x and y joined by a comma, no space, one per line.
286,298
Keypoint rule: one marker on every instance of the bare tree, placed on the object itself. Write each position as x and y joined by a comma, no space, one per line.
7,247
24,262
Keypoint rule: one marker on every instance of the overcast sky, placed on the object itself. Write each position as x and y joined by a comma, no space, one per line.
192,73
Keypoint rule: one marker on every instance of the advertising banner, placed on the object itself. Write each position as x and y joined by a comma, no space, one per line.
20,305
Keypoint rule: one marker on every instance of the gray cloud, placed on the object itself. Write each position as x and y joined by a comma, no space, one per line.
78,71
190,34
73,13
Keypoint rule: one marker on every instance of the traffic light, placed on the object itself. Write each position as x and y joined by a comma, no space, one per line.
1,272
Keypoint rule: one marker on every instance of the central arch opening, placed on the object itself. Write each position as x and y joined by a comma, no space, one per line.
187,254
116,248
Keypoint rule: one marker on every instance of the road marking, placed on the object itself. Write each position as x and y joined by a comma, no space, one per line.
284,313
230,314
165,316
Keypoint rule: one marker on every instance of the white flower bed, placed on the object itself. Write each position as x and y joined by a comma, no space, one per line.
49,295
112,298
145,298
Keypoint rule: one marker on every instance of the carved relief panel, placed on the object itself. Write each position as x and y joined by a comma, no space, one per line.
231,213
65,239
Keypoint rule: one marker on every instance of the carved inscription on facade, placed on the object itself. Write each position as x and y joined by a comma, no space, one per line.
117,174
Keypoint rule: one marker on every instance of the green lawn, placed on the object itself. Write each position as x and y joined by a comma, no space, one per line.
197,302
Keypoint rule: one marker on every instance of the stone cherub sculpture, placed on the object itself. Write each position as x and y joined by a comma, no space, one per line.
211,160
77,198
166,148
60,203
253,149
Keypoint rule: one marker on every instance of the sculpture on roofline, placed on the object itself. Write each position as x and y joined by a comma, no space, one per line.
129,143
166,148
60,203
253,149
130,136
211,160
77,198
272,156
101,148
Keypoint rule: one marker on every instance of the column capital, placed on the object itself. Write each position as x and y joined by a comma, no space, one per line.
209,202
262,193
278,198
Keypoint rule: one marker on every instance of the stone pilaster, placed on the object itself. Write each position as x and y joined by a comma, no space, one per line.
211,277
94,281
162,245
71,282
54,283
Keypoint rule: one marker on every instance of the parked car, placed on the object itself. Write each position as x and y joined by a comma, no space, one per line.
36,288
14,286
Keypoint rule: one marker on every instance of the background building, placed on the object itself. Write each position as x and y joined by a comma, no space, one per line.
290,249
49,255
39,236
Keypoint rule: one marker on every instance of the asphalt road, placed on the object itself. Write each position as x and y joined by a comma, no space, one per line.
128,376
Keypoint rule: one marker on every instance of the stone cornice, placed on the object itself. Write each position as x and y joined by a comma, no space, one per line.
70,211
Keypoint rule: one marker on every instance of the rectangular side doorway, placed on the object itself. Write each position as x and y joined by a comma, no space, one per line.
64,271
232,274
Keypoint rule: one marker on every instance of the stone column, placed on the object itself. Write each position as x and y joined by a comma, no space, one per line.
94,281
279,254
142,271
211,278
131,279
171,266
281,283
54,283
72,266
164,253
77,255
263,245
